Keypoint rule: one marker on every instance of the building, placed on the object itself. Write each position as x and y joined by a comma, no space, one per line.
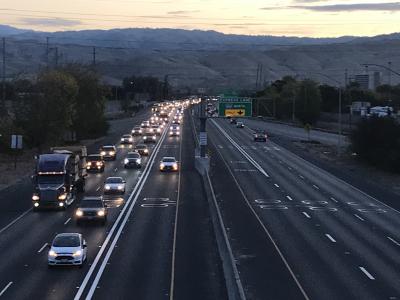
377,79
362,80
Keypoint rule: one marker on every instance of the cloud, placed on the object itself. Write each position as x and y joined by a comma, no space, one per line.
182,12
387,6
54,22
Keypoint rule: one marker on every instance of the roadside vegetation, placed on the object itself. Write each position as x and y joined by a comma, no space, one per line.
377,142
61,104
307,99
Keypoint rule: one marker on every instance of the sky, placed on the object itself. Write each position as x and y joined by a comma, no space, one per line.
309,18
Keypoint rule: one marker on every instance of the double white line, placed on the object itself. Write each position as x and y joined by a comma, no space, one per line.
245,154
121,221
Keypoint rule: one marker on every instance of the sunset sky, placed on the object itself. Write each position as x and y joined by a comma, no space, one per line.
287,17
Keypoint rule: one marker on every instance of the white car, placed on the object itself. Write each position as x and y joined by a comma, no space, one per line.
168,164
67,249
174,130
126,139
114,185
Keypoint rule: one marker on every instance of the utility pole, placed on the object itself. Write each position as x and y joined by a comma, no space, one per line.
56,48
47,52
94,56
3,102
258,72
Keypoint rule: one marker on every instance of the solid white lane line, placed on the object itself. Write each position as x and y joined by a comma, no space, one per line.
276,185
245,154
66,222
121,221
302,177
394,241
367,273
296,280
315,186
306,214
330,237
358,217
5,289
41,249
333,199
15,220
98,189
290,198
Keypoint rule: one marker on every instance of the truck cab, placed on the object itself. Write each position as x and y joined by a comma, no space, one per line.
58,177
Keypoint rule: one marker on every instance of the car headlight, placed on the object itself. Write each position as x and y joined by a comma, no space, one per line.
89,164
122,139
170,133
145,138
120,187
35,198
101,213
107,187
36,204
99,163
62,197
112,152
138,161
175,166
140,131
52,253
146,151
154,137
79,213
126,161
162,166
77,253
103,152
130,139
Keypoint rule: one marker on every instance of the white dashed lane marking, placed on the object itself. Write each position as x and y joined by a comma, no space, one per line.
367,273
330,238
306,214
393,241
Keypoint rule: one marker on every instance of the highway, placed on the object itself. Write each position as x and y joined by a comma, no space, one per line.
295,230
335,241
136,252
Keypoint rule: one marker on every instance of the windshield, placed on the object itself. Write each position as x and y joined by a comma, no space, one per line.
91,203
94,158
169,160
114,180
66,241
133,155
141,147
108,148
50,179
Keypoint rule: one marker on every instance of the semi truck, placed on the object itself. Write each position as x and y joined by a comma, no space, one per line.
59,177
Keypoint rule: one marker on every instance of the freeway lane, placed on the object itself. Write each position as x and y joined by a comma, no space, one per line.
339,242
23,243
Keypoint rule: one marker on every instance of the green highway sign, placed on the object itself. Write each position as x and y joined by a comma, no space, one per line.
235,107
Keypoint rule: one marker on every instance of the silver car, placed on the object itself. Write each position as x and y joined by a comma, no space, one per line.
114,185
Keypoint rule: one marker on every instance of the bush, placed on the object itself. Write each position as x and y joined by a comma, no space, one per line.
377,141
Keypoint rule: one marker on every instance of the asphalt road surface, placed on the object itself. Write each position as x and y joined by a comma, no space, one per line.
143,245
322,237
